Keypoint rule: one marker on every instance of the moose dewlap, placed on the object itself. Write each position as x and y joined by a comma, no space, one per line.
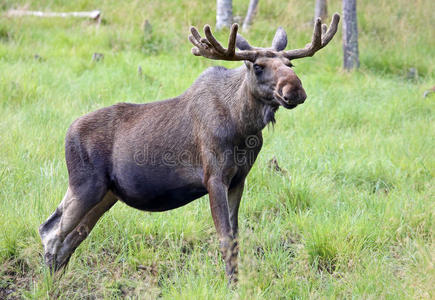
162,155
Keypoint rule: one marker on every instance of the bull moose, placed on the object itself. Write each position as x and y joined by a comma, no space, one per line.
121,152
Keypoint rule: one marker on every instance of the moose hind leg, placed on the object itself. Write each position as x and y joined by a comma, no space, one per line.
82,230
49,231
67,216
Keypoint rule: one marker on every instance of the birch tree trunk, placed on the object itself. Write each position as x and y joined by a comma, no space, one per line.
320,9
252,9
224,13
350,35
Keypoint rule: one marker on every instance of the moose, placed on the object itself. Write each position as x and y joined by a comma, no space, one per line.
162,155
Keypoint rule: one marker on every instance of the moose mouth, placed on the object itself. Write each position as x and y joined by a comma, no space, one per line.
281,101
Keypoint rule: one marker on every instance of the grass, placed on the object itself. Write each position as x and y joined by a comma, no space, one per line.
352,215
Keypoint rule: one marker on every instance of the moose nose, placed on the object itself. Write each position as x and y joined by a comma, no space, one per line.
296,97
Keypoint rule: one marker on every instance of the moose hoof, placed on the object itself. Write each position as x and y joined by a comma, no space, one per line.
54,262
50,262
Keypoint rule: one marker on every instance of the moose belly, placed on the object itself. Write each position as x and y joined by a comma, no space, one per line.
157,189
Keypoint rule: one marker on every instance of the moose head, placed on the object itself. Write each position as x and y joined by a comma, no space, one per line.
269,70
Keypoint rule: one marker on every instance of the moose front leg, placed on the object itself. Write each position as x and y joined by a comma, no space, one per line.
218,194
234,197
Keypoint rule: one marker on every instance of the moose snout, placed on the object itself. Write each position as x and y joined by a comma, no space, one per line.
295,97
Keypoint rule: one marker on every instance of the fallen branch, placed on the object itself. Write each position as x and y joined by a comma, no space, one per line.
95,14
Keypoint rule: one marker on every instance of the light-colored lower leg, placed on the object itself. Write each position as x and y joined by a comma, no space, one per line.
63,231
49,230
82,230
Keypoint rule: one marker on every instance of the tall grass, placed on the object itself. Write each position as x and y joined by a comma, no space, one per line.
351,216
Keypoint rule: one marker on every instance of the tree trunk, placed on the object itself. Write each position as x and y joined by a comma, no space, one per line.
252,9
320,10
224,13
350,35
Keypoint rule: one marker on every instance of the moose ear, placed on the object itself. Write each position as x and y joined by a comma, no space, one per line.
280,40
242,44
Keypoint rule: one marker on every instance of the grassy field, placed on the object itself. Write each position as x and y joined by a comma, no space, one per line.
352,217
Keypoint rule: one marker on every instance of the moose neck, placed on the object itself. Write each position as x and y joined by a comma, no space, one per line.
228,93
250,113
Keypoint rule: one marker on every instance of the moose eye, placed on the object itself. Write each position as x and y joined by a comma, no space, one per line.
258,69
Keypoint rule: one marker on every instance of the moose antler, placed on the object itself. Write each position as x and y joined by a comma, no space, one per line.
320,39
209,47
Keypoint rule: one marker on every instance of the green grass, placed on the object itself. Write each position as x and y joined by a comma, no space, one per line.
351,217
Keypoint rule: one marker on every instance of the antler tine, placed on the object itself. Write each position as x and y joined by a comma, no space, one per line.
316,40
195,39
209,47
324,28
212,39
232,39
332,30
320,39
